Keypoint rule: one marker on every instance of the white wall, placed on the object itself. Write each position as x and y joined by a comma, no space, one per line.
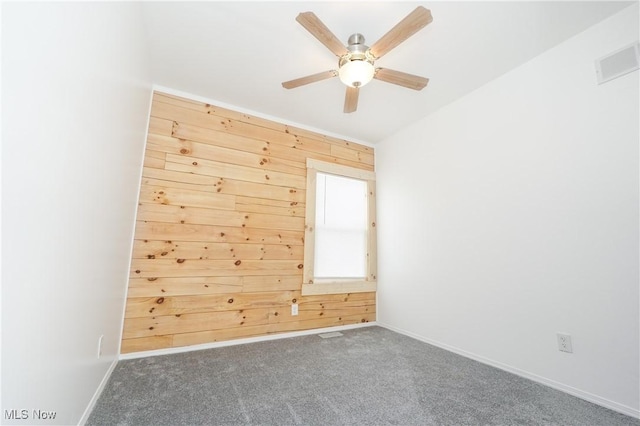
75,100
512,214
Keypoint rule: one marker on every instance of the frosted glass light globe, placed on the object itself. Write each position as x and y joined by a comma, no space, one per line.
356,73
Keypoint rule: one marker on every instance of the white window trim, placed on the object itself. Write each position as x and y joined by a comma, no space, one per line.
310,285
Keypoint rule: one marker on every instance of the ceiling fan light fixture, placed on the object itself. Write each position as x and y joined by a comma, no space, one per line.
356,60
356,73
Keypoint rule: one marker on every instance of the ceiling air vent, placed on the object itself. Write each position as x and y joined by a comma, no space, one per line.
618,63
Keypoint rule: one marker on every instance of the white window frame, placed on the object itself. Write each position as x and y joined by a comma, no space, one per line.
312,285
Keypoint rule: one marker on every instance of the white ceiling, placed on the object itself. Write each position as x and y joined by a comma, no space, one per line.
239,52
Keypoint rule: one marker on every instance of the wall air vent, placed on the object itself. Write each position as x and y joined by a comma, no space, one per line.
618,63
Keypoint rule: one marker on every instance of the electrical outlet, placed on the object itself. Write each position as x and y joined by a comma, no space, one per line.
564,343
100,339
294,309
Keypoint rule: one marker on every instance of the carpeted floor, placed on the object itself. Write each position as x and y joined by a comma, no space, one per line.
368,376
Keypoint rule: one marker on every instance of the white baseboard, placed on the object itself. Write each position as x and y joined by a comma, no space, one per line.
234,342
621,408
98,392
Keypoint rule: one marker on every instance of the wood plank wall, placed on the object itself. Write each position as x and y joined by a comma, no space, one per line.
219,235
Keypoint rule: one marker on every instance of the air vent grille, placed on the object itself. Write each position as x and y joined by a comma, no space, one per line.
618,63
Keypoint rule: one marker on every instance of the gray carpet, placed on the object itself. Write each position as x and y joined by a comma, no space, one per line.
369,376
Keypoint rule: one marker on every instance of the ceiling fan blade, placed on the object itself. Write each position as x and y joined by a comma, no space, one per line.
292,84
410,81
351,99
404,29
320,31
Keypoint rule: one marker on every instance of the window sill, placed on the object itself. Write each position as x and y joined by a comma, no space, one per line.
338,287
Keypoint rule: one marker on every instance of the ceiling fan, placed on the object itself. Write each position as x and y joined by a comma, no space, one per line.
356,60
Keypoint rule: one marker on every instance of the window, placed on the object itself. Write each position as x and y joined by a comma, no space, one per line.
341,227
340,242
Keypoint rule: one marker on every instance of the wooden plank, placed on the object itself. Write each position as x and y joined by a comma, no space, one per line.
205,108
232,171
289,323
174,324
189,215
372,240
179,101
352,154
258,283
258,190
308,273
166,195
206,183
214,234
160,126
337,169
332,140
329,307
308,313
244,125
210,336
227,150
146,344
220,137
267,202
269,221
168,177
332,298
183,286
154,159
203,216
222,186
236,127
258,210
185,131
266,206
174,305
145,268
297,211
152,249
189,132
337,310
